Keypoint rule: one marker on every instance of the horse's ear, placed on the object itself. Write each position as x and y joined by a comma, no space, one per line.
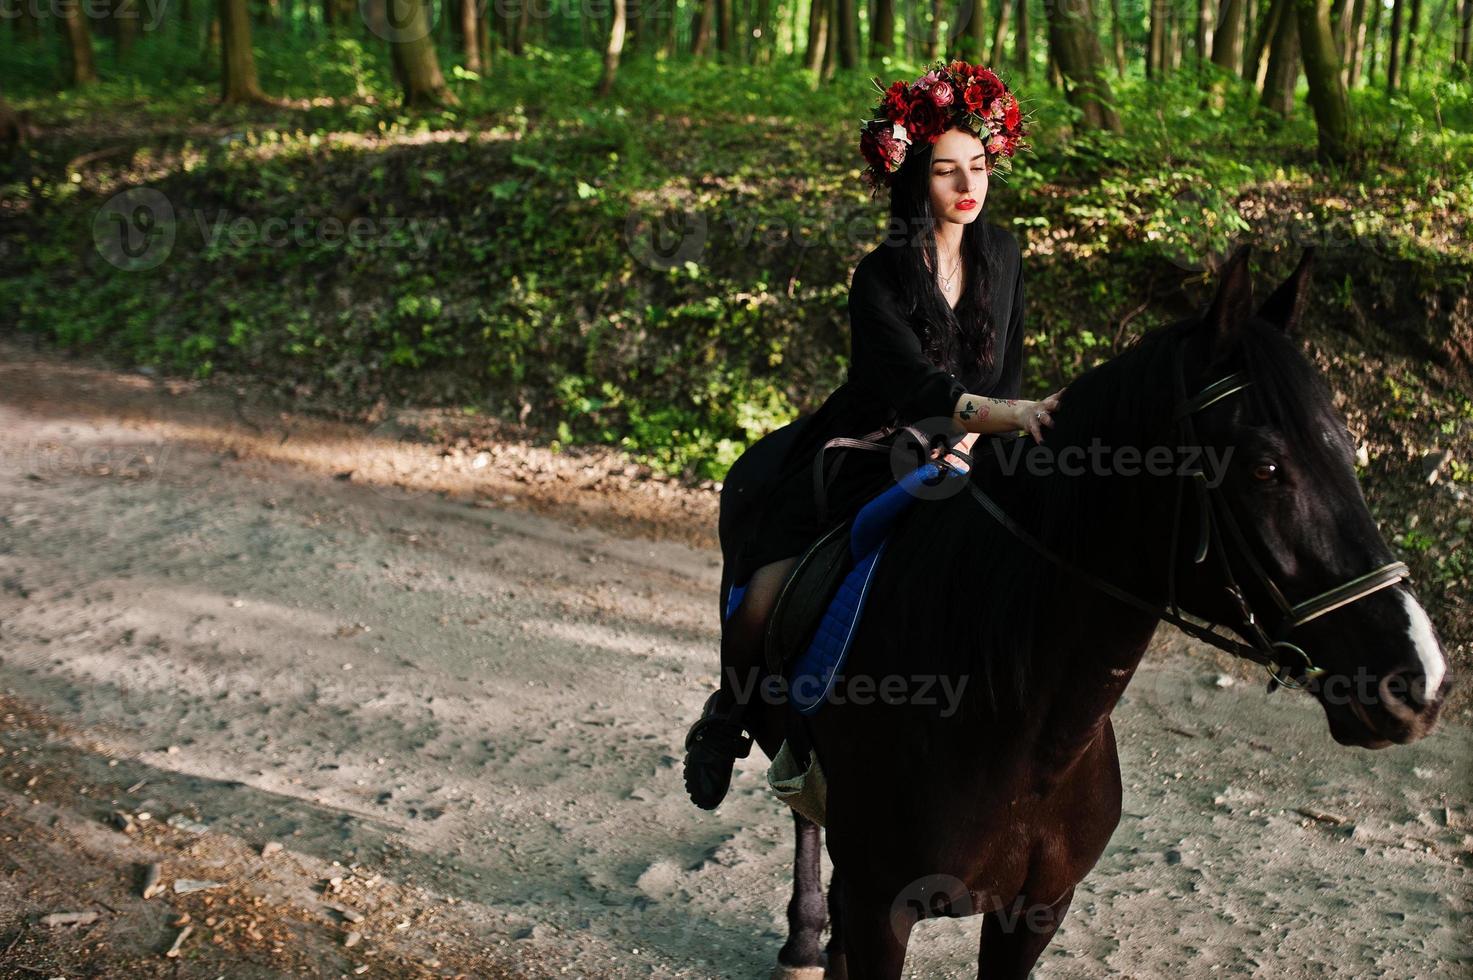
1284,308
1234,299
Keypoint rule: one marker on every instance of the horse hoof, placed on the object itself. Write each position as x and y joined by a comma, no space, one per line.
781,972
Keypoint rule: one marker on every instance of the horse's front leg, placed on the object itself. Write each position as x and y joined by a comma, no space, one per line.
1014,937
800,956
1082,814
838,968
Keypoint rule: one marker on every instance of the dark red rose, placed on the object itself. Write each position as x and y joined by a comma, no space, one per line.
926,121
992,86
898,99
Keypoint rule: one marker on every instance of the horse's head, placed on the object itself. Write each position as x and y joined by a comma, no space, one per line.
1287,476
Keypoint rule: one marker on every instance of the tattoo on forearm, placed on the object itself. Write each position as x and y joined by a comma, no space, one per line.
976,407
972,408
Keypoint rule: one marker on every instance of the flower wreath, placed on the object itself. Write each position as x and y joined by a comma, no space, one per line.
946,96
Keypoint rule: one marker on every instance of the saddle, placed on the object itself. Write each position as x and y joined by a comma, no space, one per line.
813,621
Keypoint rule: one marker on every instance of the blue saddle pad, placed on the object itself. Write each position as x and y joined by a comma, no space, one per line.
814,671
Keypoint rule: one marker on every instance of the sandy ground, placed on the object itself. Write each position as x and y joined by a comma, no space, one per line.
470,695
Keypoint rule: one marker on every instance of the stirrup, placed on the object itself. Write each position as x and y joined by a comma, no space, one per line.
718,734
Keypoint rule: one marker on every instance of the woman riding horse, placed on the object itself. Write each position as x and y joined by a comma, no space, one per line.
936,341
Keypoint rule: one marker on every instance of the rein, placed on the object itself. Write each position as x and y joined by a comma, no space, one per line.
1213,513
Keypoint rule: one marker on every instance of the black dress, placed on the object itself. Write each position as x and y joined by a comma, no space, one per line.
768,506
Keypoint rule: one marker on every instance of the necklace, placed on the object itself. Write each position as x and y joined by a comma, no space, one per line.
948,280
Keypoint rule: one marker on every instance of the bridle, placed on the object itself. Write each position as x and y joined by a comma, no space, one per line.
1214,513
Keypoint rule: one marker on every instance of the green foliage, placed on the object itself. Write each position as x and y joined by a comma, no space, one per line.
512,251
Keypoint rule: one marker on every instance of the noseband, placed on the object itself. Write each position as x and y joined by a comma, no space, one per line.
1213,513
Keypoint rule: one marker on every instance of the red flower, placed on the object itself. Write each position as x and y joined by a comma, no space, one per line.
992,86
880,148
1011,117
926,121
897,102
975,98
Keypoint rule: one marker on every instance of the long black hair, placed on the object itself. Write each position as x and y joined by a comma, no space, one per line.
961,340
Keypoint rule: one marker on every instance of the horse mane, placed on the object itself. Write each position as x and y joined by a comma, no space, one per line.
974,592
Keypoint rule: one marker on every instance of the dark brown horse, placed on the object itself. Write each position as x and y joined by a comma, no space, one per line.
1000,803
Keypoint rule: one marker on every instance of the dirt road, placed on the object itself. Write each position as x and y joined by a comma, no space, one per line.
476,710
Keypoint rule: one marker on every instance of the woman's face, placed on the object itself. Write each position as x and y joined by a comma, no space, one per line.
958,177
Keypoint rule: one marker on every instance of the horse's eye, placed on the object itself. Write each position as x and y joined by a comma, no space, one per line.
1265,471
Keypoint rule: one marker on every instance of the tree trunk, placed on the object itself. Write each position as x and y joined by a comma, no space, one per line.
882,30
483,28
1227,43
1075,43
1156,45
831,40
1202,36
126,15
1268,29
26,23
817,36
1022,39
724,29
1357,42
1117,38
1322,70
470,35
613,49
516,27
933,31
413,52
238,82
1283,63
1464,53
1411,39
76,43
977,30
1393,53
848,31
1252,10
1000,32
700,37
1173,37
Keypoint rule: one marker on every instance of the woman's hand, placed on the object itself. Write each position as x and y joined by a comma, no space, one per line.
964,444
1033,416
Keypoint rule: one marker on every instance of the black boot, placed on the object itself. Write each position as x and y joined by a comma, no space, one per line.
712,747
